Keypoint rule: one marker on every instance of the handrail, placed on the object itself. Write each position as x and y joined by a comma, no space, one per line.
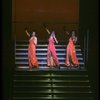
86,46
85,49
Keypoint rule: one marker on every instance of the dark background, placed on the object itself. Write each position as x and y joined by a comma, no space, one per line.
56,14
88,19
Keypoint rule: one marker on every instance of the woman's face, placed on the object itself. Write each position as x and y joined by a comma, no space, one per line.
33,34
73,33
53,33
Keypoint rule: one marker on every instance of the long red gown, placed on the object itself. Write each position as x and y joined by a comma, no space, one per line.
52,59
33,62
71,57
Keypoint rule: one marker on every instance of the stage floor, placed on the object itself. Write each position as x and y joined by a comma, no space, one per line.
45,68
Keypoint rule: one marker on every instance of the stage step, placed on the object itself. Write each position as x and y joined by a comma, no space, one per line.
43,54
51,85
21,54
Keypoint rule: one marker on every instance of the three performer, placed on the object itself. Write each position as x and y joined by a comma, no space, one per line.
52,59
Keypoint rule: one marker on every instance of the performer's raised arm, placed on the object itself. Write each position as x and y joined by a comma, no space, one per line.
27,33
66,32
55,38
35,41
75,39
46,29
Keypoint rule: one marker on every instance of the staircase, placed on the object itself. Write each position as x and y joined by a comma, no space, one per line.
51,85
21,56
66,83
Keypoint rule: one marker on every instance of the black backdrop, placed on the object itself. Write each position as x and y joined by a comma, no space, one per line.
88,20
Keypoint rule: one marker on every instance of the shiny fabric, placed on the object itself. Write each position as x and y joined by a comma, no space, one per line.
71,57
52,59
33,62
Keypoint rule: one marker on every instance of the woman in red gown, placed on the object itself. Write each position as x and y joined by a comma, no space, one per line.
52,59
32,59
71,58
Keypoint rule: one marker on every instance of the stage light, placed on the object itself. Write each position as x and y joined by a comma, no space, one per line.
48,74
49,90
48,79
54,96
50,95
53,84
52,74
53,79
